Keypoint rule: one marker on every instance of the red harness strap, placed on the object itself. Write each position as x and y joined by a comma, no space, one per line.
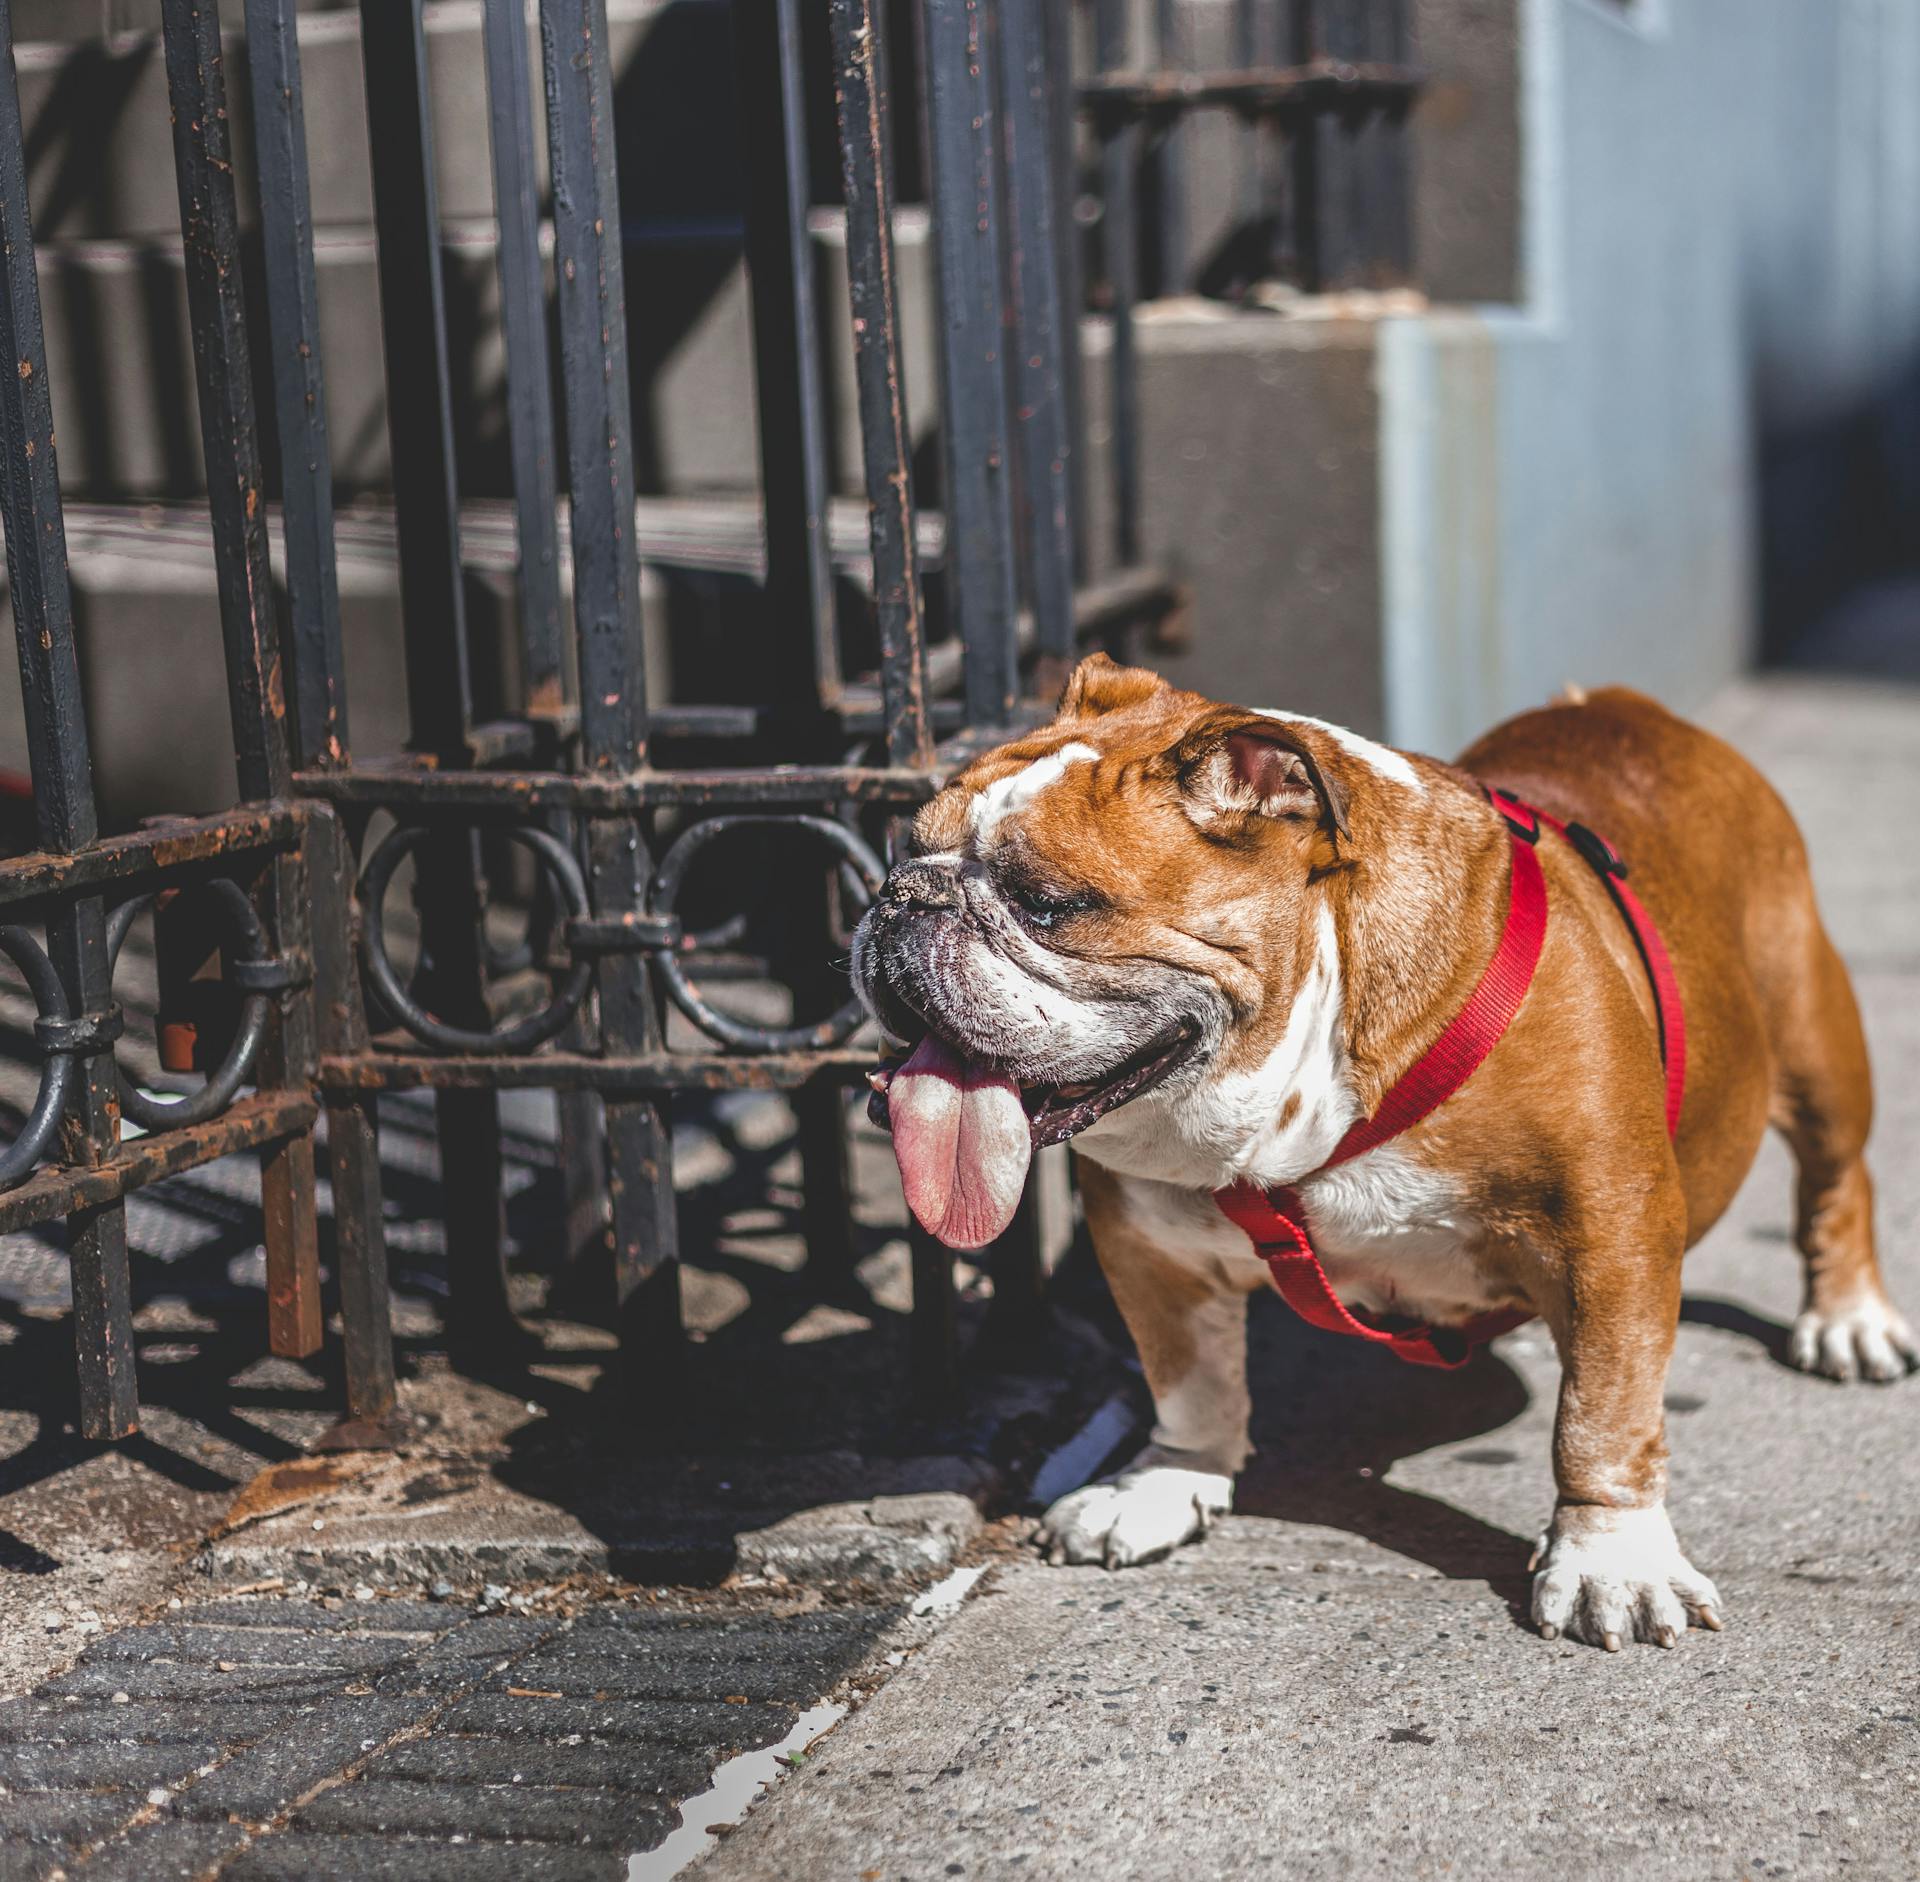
1275,1220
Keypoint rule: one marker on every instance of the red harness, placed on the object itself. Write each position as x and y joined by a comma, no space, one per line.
1276,1219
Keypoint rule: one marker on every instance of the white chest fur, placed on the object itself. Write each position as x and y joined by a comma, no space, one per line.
1390,1234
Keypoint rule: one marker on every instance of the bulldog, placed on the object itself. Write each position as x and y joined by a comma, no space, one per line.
1202,941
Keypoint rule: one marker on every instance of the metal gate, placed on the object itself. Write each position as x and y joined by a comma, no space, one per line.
587,807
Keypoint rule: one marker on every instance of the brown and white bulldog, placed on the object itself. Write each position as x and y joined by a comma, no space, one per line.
1203,940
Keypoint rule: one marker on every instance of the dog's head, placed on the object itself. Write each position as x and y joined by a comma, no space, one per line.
1129,902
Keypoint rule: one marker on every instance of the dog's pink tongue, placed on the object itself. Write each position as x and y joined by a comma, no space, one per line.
960,1137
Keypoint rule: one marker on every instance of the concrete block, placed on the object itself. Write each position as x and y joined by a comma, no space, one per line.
306,1858
262,1781
1259,491
610,1819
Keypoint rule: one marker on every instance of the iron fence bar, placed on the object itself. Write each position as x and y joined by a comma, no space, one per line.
654,1071
299,389
886,437
1064,119
591,290
402,786
1319,82
62,792
770,77
962,134
353,1146
1329,164
439,685
1119,174
1385,182
1250,167
96,1190
523,318
210,229
1044,442
791,403
1167,164
545,669
33,883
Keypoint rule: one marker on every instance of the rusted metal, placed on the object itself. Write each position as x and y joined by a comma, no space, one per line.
523,324
1043,445
64,1189
57,1066
862,92
1114,97
256,681
552,856
169,846
963,152
62,787
299,382
448,888
659,1072
353,1148
770,88
407,783
590,292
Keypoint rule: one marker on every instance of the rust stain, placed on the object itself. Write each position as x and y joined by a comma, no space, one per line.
299,1480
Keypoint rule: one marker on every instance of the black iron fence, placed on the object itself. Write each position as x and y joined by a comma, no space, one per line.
656,851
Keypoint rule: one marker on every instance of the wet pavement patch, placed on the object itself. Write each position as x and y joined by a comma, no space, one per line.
386,1740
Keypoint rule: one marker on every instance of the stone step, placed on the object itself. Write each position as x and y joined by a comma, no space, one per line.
106,222
146,615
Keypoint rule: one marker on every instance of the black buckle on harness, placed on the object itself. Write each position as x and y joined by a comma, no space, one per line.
1600,855
1521,820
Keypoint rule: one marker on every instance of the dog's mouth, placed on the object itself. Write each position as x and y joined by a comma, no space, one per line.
964,1130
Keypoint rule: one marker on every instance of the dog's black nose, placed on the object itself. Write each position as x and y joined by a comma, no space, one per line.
924,885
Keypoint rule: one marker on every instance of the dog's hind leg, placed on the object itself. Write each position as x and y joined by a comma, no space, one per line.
1823,1105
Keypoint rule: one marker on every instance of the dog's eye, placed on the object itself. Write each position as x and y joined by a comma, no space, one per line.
1041,908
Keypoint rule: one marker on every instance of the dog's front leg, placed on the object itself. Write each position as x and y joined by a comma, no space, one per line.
1181,1285
1610,1569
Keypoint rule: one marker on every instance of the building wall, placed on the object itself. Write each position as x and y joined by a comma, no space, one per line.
1718,248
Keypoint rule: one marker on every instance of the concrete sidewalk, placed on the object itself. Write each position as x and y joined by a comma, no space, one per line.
1340,1682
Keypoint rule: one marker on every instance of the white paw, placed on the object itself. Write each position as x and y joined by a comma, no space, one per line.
1608,1576
1871,1339
1144,1513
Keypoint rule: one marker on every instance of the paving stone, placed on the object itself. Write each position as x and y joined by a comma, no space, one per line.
610,1819
721,1728
163,1851
671,1771
422,1617
101,1679
761,1667
108,1766
469,1654
145,1722
305,1858
261,1646
262,1781
28,1862
66,1816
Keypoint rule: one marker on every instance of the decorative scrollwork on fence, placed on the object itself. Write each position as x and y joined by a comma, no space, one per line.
251,969
55,1031
743,1036
64,1038
557,860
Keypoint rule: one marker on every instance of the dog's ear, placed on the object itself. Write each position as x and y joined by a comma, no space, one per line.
1098,685
1240,765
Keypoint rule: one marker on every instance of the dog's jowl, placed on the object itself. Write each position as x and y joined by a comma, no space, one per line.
1434,1048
